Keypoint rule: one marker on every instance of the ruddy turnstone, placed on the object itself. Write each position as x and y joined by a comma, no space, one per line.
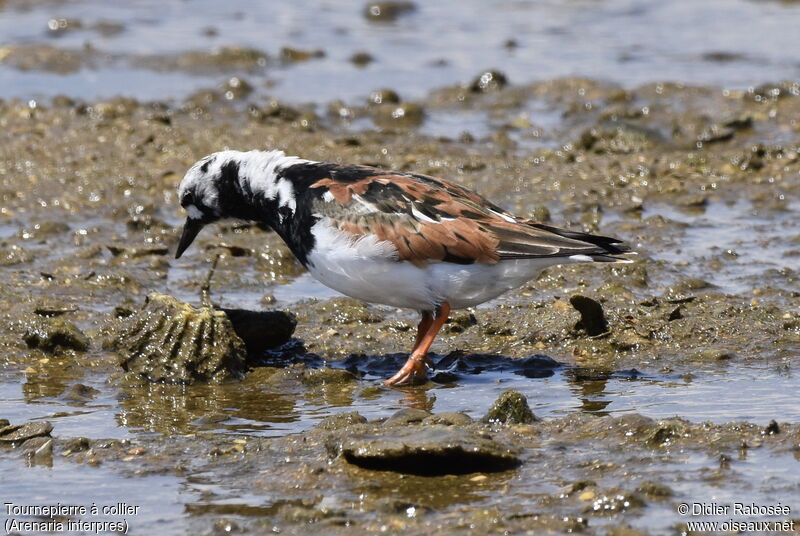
387,237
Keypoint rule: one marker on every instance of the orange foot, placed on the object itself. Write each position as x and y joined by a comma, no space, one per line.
413,372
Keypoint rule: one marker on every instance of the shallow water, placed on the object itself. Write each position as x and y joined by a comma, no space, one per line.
729,43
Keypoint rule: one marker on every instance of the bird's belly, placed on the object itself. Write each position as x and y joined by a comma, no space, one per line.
469,285
402,284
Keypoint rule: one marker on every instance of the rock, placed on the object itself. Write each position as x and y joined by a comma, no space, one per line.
510,407
327,376
654,490
54,334
76,444
338,311
384,96
459,322
169,341
9,256
713,354
431,451
592,321
133,253
38,450
293,55
448,419
387,11
407,416
236,88
22,432
488,81
403,115
361,59
616,139
262,330
772,428
540,213
341,420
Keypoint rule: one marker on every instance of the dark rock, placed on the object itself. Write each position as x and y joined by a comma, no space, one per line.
341,420
510,407
431,451
592,321
76,444
488,81
361,59
772,428
387,11
22,432
262,330
172,342
407,416
54,334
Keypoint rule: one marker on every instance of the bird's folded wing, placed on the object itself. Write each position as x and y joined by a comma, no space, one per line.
428,219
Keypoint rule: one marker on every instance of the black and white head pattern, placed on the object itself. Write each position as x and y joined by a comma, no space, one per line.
227,184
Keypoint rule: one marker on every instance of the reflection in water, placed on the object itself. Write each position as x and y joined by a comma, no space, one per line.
589,387
183,409
416,398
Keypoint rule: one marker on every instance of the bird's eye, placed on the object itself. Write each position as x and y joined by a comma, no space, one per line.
187,199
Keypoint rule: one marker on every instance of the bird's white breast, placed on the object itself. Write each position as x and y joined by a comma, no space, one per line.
367,269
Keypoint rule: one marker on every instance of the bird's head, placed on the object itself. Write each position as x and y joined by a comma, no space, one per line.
199,196
235,184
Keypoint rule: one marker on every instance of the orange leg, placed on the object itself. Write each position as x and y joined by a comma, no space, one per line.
414,371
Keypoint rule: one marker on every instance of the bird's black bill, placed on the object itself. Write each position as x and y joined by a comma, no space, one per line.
190,230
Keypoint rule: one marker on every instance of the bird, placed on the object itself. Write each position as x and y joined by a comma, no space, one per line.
395,238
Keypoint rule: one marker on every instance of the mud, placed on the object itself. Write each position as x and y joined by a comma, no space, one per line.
702,182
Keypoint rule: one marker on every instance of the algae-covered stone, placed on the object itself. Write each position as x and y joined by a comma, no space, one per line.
169,341
402,115
327,376
488,81
431,450
54,334
76,444
341,420
510,408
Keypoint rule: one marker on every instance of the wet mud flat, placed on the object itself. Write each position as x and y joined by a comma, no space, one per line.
640,387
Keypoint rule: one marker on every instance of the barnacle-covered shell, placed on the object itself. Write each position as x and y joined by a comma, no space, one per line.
173,342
